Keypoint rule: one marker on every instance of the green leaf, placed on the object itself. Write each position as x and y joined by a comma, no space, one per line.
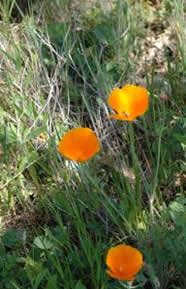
80,285
57,33
33,268
104,33
43,243
181,138
52,282
25,162
176,207
178,212
14,238
35,132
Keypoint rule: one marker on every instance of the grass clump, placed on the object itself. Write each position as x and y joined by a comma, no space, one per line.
59,218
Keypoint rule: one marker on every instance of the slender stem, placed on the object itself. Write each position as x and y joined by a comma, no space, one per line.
155,184
136,165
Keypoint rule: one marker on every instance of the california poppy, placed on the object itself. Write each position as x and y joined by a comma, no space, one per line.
124,262
79,144
128,102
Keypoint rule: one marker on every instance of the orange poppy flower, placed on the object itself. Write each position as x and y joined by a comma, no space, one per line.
128,102
79,144
124,262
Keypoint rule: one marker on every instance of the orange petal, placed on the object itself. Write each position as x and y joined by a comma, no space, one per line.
120,276
138,98
117,101
79,144
129,102
124,261
121,117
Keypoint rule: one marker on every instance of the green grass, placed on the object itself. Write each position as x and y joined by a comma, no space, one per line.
58,219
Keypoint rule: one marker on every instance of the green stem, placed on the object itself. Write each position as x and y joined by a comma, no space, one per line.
155,184
136,166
